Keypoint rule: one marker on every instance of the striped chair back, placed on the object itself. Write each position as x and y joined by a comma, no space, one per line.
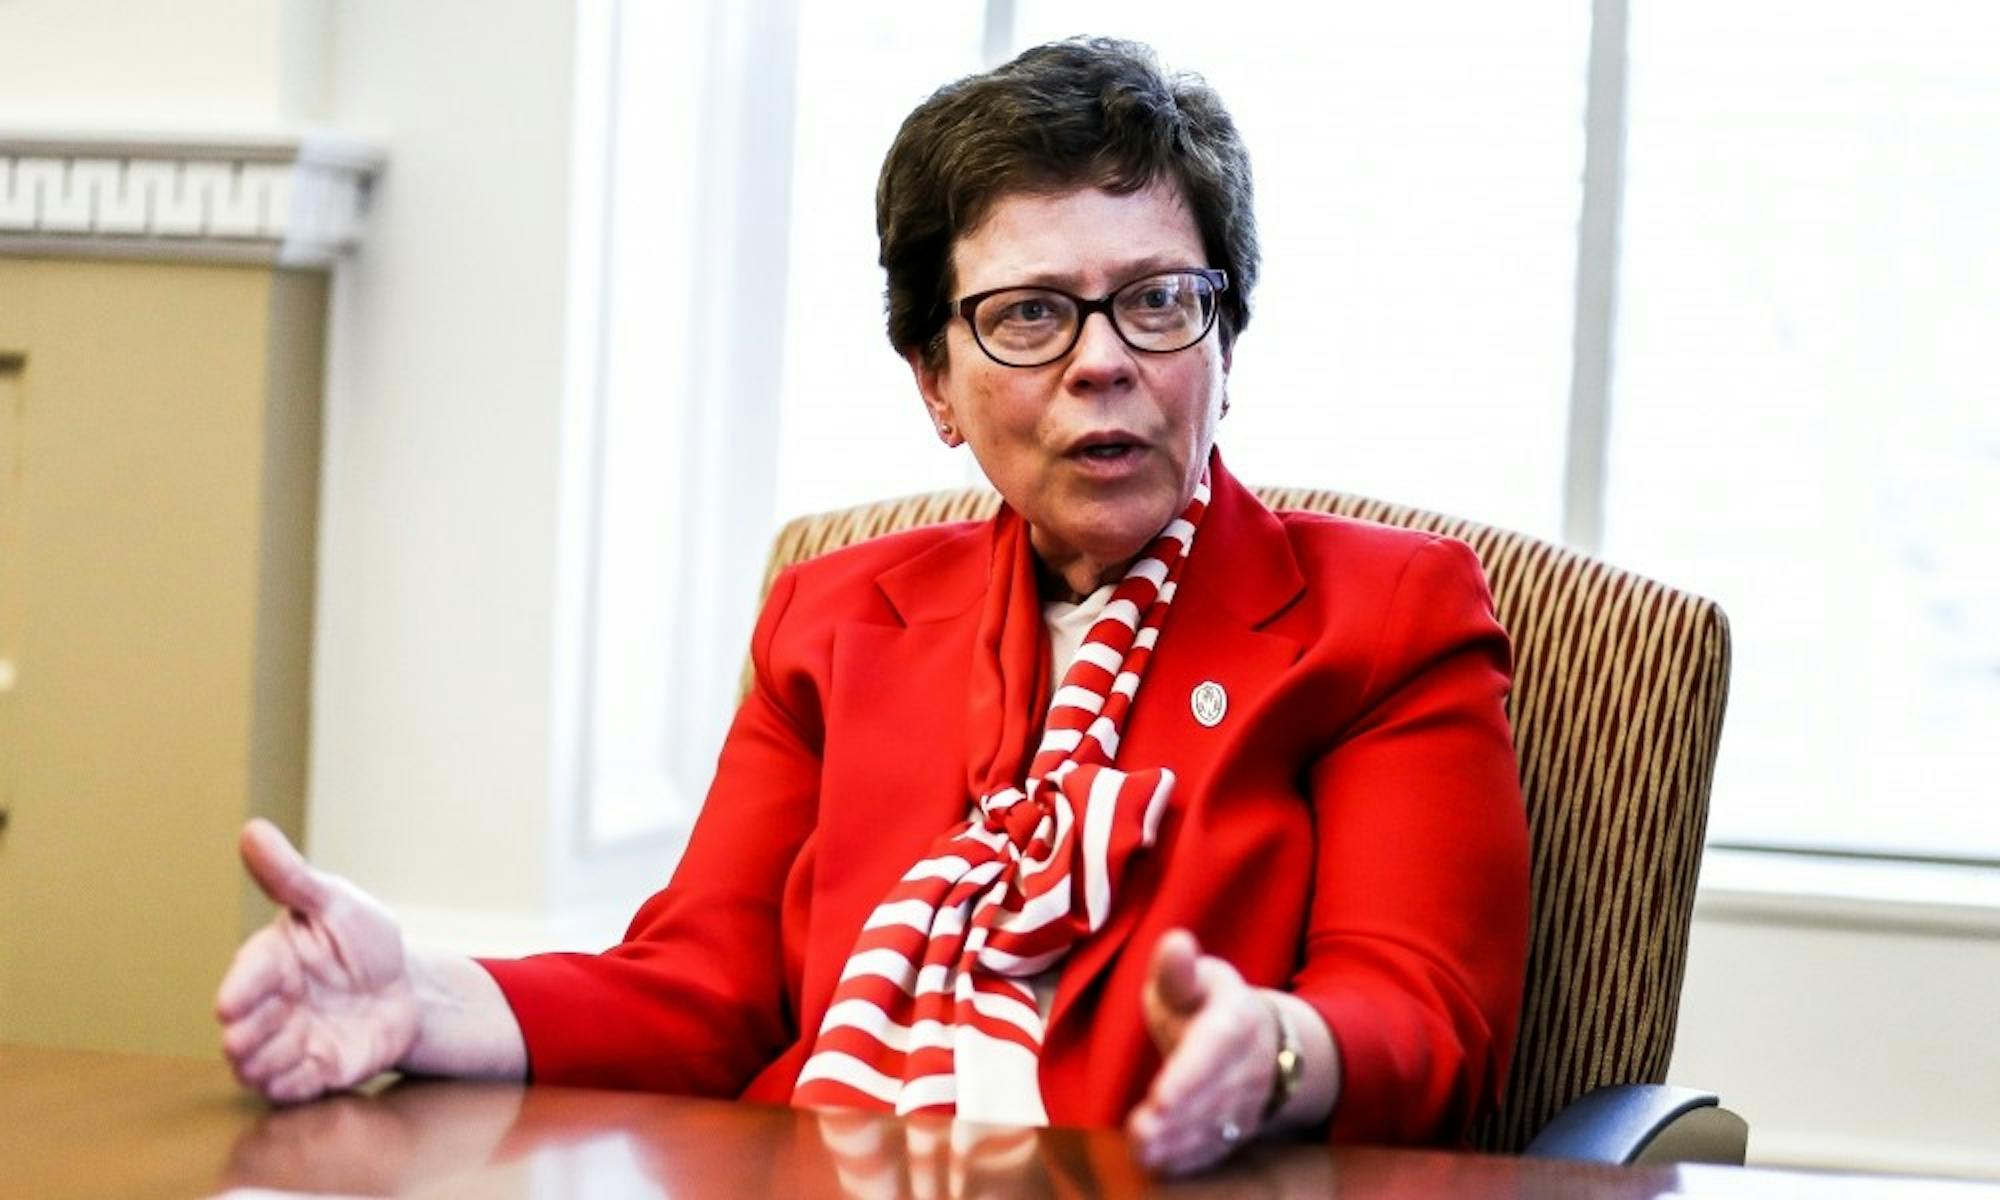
1619,687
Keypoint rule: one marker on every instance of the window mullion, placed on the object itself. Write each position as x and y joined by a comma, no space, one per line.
1596,279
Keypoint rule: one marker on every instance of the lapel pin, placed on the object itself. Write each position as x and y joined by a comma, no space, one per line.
1209,703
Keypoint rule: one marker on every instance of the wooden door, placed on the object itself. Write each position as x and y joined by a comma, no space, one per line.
154,606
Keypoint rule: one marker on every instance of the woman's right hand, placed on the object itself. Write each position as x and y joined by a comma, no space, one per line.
321,998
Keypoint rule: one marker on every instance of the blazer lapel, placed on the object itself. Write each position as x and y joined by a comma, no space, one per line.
893,777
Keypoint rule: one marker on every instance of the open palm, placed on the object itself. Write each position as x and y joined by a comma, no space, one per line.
321,998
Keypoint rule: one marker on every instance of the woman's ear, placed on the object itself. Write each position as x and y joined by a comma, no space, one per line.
1228,358
931,386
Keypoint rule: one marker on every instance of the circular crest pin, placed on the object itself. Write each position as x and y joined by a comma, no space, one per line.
1209,703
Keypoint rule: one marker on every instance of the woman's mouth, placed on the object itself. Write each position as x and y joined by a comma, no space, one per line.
1107,456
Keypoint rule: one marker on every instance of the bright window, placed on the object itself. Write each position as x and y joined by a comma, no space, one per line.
1417,196
1416,170
1806,413
851,426
1804,417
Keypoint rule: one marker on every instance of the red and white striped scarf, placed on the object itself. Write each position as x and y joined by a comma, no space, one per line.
1033,868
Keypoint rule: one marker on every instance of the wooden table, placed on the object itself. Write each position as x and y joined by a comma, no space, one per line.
81,1124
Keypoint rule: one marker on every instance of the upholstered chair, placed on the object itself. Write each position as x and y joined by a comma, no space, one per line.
1619,688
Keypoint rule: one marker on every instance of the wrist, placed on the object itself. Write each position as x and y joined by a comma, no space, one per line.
407,1014
1288,1063
462,1024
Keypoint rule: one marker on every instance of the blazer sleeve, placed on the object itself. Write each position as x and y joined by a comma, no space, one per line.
695,999
1417,936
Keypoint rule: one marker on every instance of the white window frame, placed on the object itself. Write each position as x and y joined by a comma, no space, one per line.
710,381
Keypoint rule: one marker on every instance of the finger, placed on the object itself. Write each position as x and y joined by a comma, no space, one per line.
1181,1150
1213,1076
1144,1124
303,1081
1190,1155
1155,1139
1144,1134
1220,1036
1194,1129
261,968
280,870
1229,1097
278,1054
241,1037
1211,1049
1175,978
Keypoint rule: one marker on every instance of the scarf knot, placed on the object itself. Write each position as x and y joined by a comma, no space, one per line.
1020,818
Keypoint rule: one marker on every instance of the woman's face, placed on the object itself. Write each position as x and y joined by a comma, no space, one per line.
1099,449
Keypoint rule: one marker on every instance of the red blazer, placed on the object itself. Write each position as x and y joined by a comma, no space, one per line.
1351,830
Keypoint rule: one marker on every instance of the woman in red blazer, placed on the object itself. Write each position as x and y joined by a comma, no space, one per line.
1137,804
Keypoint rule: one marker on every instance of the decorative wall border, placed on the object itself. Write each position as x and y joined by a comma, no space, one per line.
289,200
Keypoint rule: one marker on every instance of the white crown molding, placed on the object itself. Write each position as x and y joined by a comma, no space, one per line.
295,200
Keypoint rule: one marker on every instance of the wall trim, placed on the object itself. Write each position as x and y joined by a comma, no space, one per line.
1841,892
288,199
1795,1150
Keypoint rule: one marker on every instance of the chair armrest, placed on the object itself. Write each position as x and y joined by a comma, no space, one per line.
1644,1123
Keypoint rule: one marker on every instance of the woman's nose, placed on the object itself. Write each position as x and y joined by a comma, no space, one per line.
1100,359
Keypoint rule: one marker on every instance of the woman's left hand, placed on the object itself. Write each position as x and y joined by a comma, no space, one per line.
1219,1040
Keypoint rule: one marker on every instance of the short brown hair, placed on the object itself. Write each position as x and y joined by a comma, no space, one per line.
1087,111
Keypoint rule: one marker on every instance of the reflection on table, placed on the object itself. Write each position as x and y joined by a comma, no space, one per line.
80,1124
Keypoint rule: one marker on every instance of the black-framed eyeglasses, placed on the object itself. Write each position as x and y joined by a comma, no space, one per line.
1034,326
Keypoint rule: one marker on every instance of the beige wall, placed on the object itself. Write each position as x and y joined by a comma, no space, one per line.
147,64
1845,1010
